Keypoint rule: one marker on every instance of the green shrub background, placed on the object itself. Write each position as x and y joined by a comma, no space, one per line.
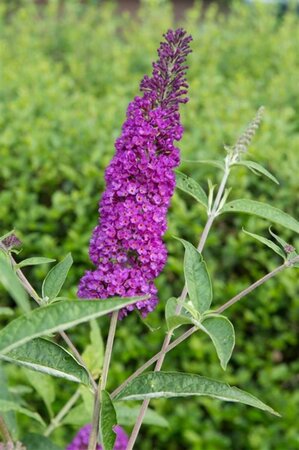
67,75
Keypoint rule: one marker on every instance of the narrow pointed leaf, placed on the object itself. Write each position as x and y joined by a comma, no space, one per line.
44,386
262,210
197,278
174,320
6,311
34,441
78,416
176,384
107,422
93,354
47,357
191,187
12,284
57,316
255,167
127,416
267,242
6,405
56,277
34,261
222,333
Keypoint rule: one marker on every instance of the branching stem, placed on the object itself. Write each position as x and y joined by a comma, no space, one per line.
33,294
193,329
55,422
211,217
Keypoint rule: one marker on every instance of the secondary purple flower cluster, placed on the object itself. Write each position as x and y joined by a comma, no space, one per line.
126,247
80,441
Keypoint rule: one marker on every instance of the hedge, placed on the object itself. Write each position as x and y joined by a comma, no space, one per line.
68,72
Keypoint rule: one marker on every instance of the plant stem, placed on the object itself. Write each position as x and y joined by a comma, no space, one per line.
33,294
102,383
251,288
55,422
4,430
211,217
192,330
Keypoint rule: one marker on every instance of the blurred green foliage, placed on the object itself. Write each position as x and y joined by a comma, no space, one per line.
67,74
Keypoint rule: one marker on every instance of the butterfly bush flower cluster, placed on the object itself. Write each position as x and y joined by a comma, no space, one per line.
80,441
126,247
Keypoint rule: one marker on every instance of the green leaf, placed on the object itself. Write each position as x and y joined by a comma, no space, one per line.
56,277
57,316
197,278
94,352
191,187
78,416
267,242
107,422
34,261
5,311
255,167
172,319
262,210
34,441
127,416
290,251
44,386
176,321
6,405
222,333
6,394
12,284
175,384
47,357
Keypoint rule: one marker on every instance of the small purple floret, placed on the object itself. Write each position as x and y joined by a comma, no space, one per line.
126,247
80,441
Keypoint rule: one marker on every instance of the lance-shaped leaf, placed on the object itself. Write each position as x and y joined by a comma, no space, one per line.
34,441
93,354
12,284
57,316
267,242
34,261
191,187
222,333
126,416
197,278
177,384
257,168
174,320
290,251
107,422
47,357
44,386
56,277
262,210
6,405
6,311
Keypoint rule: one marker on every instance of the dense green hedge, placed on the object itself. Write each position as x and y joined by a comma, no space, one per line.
67,74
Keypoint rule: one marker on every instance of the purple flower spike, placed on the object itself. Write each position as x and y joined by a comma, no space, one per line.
126,247
80,441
